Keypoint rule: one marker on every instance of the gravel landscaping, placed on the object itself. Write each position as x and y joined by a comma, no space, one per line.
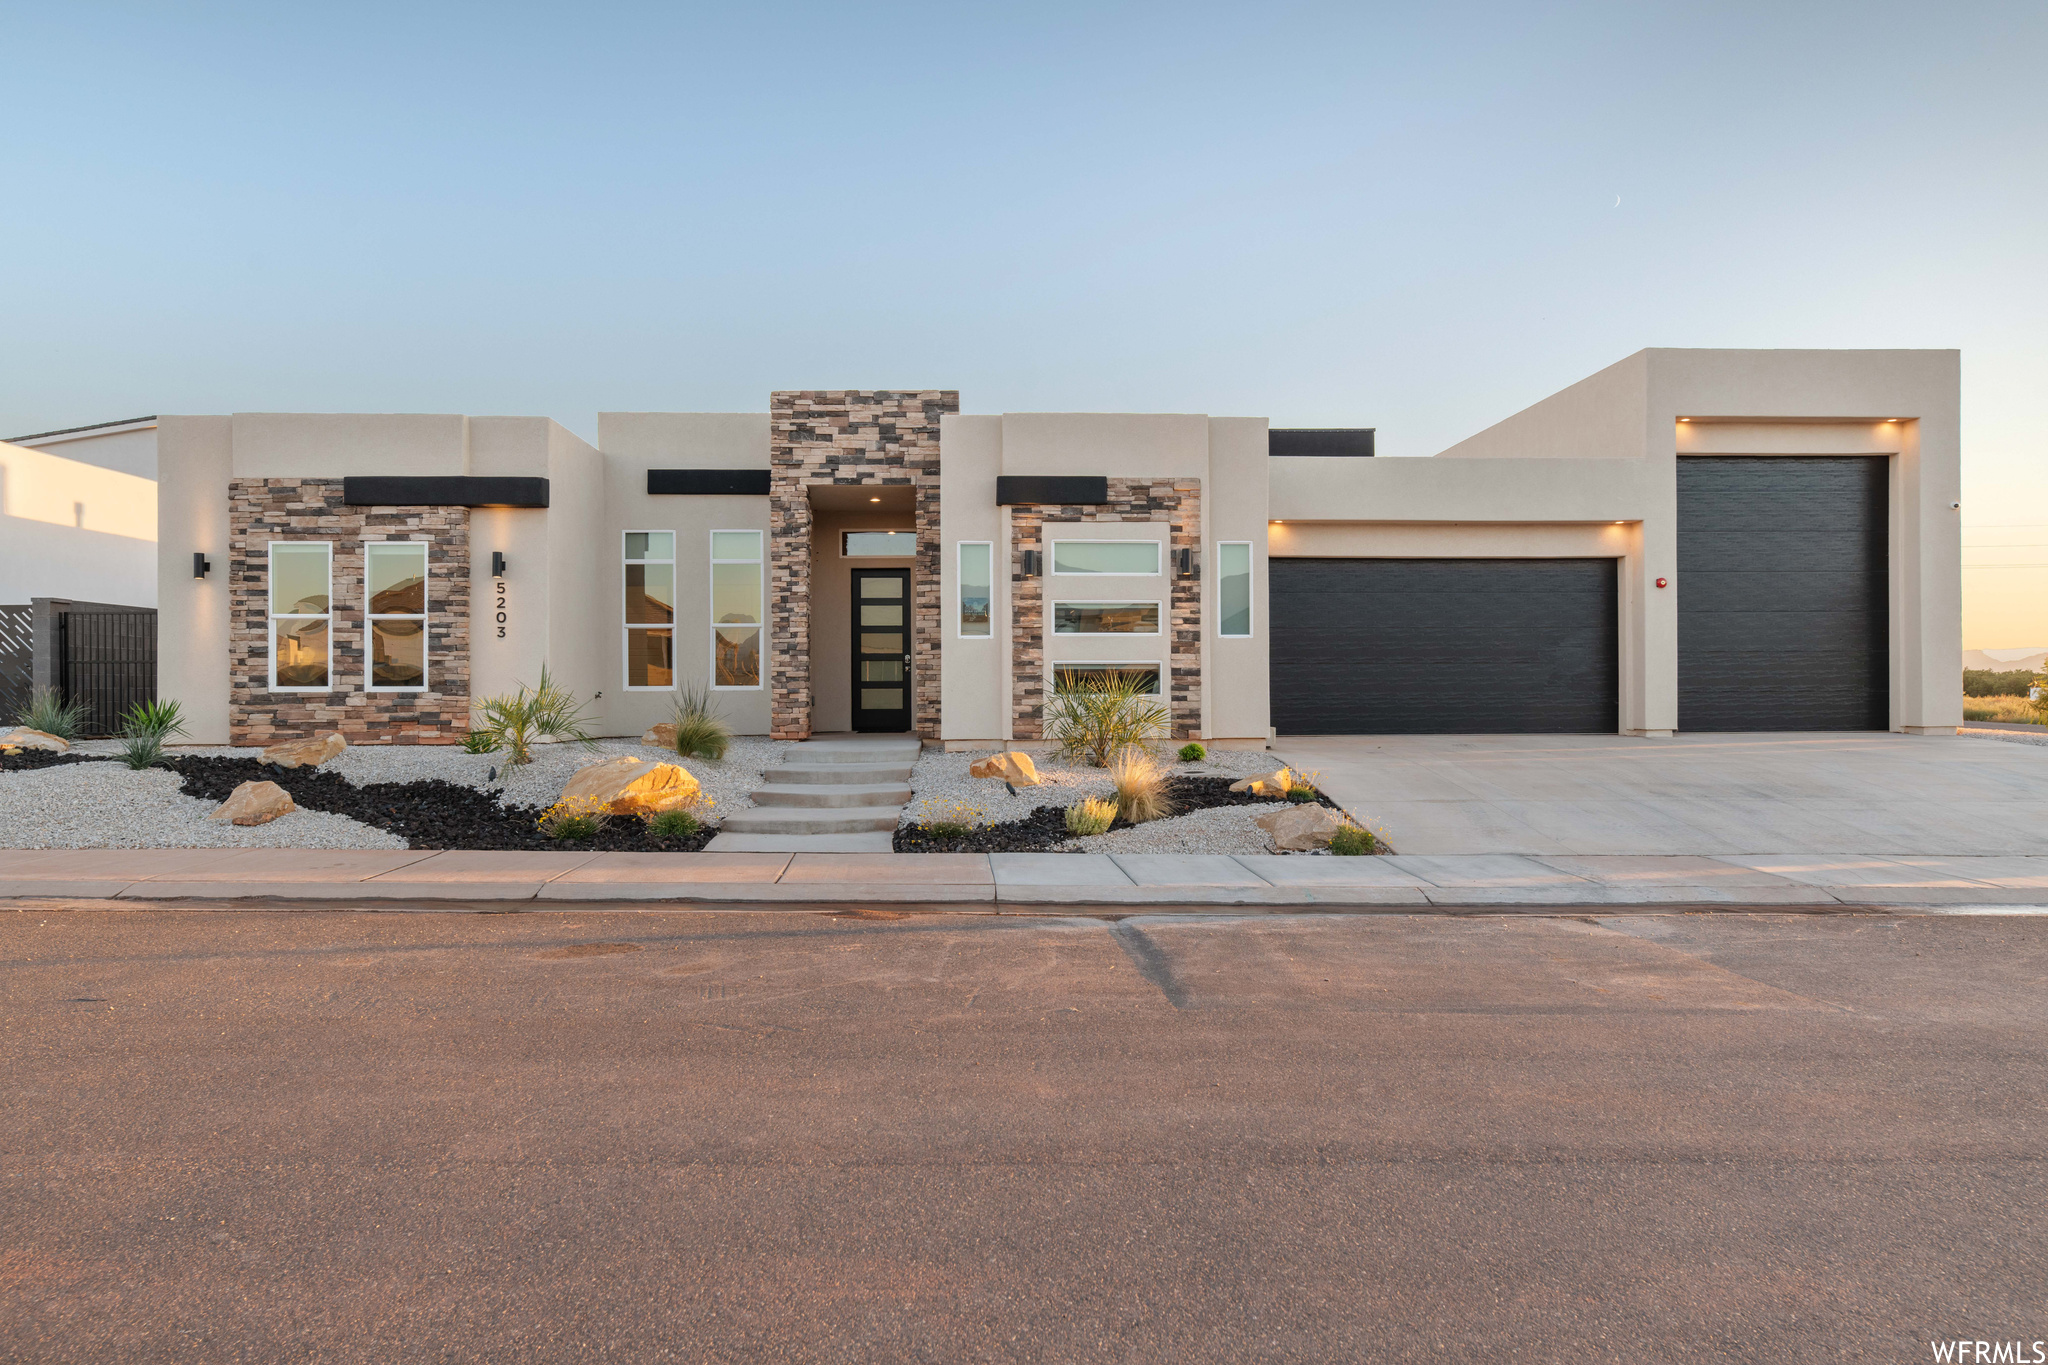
2008,736
371,796
1214,819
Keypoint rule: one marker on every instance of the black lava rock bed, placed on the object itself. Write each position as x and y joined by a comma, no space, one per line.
1046,826
429,814
28,760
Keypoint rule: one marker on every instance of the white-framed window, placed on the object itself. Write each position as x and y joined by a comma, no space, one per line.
650,560
1128,557
976,588
1068,676
1105,618
737,592
395,615
301,615
861,544
1233,588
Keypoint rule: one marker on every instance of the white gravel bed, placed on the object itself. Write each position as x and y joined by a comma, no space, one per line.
2008,736
939,779
108,805
1219,829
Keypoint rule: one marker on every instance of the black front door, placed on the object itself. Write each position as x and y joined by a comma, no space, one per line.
881,650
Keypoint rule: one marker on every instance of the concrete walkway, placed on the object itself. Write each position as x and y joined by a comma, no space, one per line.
838,795
1022,879
1722,795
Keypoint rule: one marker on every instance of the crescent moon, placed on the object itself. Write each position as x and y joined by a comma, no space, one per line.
1617,201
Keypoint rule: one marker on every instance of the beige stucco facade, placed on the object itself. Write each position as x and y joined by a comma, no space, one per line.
1589,473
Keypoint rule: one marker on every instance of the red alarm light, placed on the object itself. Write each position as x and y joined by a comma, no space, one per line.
1663,583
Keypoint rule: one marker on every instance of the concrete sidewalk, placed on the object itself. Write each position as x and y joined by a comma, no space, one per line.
1022,879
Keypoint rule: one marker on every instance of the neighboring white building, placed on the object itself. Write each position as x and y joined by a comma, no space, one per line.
78,515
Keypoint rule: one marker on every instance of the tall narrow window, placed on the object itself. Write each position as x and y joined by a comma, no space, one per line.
736,609
1234,587
301,610
977,584
395,589
650,610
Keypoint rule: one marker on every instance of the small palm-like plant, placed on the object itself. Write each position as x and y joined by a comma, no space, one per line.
1095,718
144,728
699,731
1140,786
48,711
516,721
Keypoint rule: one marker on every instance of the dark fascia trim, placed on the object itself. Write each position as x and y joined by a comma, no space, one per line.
443,490
706,482
73,431
1348,442
1067,490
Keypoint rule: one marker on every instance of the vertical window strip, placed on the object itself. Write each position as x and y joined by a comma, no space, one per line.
650,610
1234,588
301,589
395,615
975,589
738,593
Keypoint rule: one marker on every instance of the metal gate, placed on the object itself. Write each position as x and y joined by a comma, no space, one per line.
106,659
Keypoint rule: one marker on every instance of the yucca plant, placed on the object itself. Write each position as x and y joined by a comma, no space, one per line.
144,728
516,721
699,731
48,711
1140,786
1095,718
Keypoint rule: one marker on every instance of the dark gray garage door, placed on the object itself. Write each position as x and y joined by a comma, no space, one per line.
1444,646
1783,603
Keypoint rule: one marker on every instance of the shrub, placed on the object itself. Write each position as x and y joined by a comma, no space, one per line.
577,818
1092,816
514,721
144,728
1140,786
478,742
1353,842
1301,786
1192,753
1099,716
1985,682
699,731
2012,710
950,819
673,824
49,712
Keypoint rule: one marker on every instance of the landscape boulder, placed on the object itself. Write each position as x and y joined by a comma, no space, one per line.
1274,783
255,803
662,736
306,753
1299,829
1014,767
21,737
632,786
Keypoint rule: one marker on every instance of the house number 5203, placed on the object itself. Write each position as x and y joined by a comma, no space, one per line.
501,609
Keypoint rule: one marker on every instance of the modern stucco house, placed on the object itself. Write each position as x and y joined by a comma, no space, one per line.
1687,539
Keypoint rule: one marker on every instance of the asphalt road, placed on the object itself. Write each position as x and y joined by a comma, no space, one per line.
800,1137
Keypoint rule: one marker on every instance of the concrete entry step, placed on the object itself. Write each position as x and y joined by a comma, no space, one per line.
836,774
859,749
816,794
810,819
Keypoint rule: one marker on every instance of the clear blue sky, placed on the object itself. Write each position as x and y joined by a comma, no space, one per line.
1402,217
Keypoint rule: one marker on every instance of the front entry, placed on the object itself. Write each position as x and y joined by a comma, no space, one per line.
881,650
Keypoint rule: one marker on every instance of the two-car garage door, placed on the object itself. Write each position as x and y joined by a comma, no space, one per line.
1783,614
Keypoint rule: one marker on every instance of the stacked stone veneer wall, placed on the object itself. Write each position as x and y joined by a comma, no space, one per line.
875,438
1178,501
263,510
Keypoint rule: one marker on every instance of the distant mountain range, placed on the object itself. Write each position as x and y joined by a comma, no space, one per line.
2035,659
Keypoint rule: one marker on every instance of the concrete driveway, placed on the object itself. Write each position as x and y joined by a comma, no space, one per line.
1701,794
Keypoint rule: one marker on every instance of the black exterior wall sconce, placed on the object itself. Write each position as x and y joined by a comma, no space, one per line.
1189,563
1033,563
201,565
497,563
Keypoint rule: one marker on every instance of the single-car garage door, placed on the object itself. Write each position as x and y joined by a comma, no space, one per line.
1444,646
1783,604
